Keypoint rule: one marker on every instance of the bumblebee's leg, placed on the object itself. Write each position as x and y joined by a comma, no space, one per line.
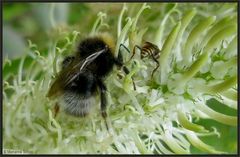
119,60
67,60
119,63
125,70
154,70
103,98
55,110
134,51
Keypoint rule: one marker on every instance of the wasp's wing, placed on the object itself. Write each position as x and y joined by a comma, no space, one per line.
70,73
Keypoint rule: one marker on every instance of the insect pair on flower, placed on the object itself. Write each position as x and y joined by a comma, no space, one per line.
82,75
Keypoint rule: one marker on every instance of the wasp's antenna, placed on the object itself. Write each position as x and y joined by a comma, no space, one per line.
134,51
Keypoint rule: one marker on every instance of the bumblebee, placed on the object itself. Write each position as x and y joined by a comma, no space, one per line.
82,76
148,50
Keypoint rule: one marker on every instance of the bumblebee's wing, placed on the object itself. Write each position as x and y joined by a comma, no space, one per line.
81,66
70,73
91,58
67,74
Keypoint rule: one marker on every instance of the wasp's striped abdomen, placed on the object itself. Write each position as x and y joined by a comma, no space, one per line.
149,49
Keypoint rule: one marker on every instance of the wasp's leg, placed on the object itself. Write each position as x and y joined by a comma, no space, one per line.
134,51
154,70
67,61
103,97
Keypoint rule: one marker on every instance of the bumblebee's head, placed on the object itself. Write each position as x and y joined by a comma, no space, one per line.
94,44
108,39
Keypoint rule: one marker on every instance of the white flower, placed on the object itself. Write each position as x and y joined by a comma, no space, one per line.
159,116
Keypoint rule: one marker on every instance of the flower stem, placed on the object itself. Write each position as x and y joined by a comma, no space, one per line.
231,49
185,22
194,37
144,6
122,36
141,146
219,36
228,120
119,28
200,145
217,27
218,88
188,125
225,85
228,102
231,94
194,68
159,33
99,20
171,142
166,50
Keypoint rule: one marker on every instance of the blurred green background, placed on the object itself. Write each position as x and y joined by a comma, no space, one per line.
31,21
23,21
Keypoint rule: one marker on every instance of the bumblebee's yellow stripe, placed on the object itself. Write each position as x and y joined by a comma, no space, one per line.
108,39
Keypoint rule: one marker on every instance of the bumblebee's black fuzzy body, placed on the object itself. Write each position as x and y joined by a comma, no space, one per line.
79,94
103,64
82,76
